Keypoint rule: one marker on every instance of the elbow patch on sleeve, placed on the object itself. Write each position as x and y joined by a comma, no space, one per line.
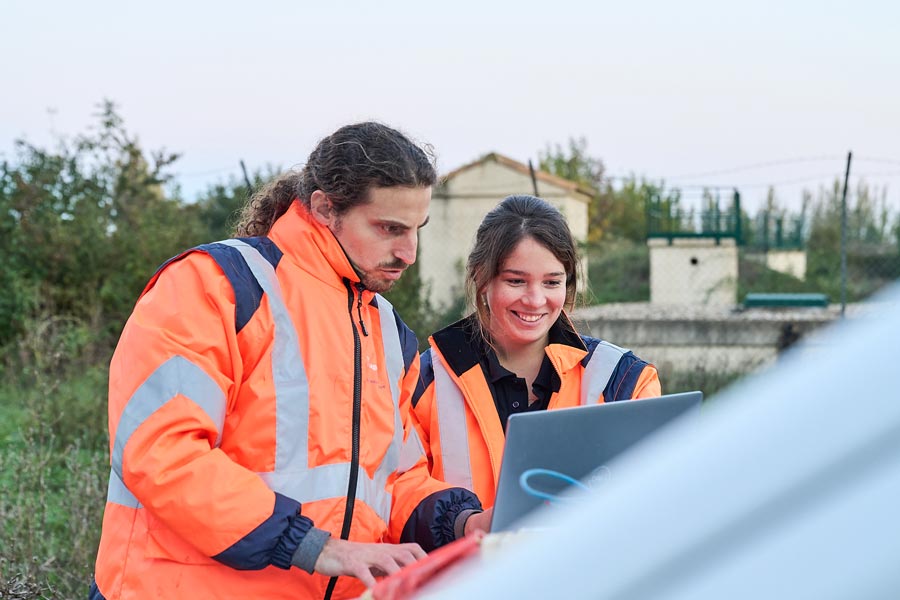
272,542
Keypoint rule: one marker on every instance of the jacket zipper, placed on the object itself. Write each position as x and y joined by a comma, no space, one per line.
357,410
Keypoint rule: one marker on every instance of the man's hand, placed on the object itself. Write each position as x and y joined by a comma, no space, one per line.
365,561
479,521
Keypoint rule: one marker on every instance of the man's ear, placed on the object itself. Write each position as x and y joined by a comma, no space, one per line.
321,209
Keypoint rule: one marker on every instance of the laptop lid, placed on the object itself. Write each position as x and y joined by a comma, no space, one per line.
577,443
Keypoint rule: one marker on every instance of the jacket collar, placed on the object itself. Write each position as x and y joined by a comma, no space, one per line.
311,246
460,342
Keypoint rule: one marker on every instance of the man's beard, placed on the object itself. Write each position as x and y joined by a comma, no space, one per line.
378,284
374,284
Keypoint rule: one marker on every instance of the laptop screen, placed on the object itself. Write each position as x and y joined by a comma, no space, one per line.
576,443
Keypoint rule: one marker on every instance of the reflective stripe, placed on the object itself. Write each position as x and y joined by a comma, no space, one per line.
393,359
451,408
330,481
292,475
288,369
119,494
393,351
599,370
411,451
176,376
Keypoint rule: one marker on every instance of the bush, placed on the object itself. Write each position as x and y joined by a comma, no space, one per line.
618,271
53,460
52,506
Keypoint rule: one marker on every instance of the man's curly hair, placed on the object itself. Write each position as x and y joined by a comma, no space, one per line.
344,165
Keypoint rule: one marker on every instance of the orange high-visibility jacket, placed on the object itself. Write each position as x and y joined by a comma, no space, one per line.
257,391
454,410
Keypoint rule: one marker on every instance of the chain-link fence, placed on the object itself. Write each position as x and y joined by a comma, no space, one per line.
710,248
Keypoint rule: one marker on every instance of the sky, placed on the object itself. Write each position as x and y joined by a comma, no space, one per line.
697,92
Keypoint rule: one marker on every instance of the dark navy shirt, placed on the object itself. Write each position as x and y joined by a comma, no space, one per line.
509,391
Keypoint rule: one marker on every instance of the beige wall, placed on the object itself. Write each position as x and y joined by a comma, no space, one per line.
458,208
693,271
791,262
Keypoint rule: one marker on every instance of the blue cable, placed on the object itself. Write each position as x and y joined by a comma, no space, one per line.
524,477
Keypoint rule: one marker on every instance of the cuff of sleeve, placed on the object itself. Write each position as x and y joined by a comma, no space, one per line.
309,549
459,526
293,536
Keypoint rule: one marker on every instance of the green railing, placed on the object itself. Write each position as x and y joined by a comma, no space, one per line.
666,219
779,232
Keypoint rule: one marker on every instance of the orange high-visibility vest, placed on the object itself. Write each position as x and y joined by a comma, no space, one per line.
231,400
455,413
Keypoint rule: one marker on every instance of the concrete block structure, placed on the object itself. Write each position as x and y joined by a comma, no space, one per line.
693,270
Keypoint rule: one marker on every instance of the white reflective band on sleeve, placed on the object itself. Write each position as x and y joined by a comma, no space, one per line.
176,376
119,494
451,408
288,368
598,371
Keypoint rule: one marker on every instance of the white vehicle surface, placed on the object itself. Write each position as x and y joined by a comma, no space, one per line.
788,488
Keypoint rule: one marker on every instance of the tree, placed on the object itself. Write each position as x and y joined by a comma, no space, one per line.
85,225
218,207
615,211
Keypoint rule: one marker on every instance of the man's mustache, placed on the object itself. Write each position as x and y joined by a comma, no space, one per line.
394,265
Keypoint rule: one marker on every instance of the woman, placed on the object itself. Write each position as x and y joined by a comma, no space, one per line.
517,352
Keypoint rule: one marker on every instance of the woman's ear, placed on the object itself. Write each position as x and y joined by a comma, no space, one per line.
321,209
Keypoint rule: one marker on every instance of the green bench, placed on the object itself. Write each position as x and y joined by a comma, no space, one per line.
784,300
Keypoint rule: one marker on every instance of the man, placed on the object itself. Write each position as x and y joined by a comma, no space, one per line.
259,395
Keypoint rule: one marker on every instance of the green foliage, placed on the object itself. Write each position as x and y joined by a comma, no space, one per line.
621,212
84,225
219,206
618,271
51,503
574,164
638,208
615,211
873,258
755,277
53,460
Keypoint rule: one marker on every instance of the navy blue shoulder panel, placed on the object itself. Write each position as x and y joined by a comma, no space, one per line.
624,379
247,291
591,345
426,377
408,341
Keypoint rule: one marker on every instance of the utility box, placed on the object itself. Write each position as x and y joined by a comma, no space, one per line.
693,253
699,271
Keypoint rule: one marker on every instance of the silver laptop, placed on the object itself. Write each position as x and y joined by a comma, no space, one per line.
557,449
